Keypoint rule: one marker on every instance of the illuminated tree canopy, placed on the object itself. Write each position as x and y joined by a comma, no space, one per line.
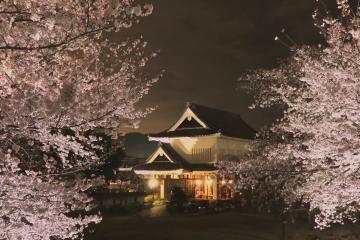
312,154
60,77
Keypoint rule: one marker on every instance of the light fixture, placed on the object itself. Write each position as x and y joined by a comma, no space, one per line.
198,182
231,181
223,182
209,181
153,183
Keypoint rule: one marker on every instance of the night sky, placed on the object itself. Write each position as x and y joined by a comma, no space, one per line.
205,45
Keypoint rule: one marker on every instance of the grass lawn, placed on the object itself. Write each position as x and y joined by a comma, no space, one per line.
222,226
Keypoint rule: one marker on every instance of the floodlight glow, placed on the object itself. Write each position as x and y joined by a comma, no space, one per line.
153,183
209,181
198,182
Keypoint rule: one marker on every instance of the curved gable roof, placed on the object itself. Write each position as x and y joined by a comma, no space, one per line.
227,123
172,161
218,121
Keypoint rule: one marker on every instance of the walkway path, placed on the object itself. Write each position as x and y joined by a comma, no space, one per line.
155,224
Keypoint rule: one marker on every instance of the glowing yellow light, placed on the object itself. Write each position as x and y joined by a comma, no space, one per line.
198,182
231,181
209,181
153,183
223,182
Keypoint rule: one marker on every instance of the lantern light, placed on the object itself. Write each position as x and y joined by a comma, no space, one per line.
153,183
198,182
209,181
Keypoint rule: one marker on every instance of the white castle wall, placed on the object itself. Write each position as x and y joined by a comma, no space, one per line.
209,149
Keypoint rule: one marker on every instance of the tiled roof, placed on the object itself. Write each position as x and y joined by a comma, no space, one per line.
178,163
185,133
203,167
227,123
157,166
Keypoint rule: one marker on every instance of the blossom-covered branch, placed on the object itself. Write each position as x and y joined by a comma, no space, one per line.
319,90
60,77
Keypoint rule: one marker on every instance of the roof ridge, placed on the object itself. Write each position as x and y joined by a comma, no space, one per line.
171,151
219,110
216,109
228,123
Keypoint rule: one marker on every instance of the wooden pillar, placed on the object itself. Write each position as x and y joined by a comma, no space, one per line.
215,187
162,189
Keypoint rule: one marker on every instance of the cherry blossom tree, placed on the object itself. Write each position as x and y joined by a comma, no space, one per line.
61,77
312,153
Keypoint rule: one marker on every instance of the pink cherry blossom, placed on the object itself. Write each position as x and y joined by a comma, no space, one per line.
59,72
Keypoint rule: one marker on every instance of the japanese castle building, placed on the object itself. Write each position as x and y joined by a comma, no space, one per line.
189,149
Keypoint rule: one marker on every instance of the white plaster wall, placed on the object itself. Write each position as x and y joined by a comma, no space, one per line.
222,148
185,145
